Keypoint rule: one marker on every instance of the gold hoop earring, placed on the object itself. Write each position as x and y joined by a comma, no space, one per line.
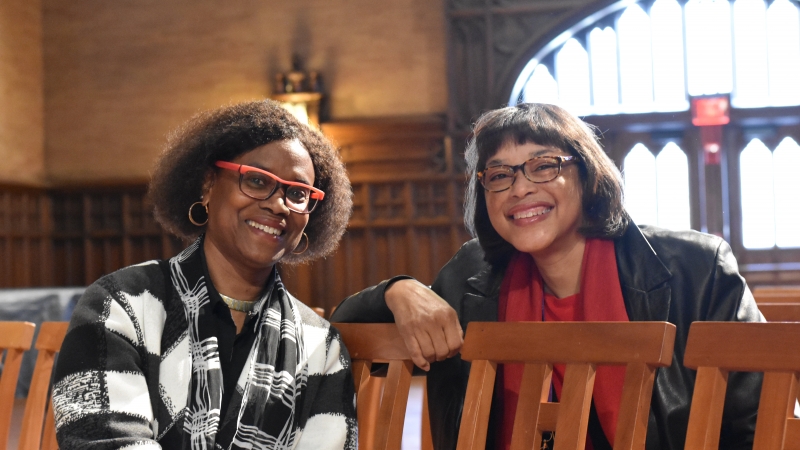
191,219
308,241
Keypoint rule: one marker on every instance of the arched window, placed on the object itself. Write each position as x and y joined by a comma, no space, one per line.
605,77
639,170
668,60
672,176
663,178
786,162
544,88
632,69
572,69
708,47
643,54
758,201
635,60
770,195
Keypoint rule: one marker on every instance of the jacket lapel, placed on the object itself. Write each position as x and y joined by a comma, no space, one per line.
481,304
643,277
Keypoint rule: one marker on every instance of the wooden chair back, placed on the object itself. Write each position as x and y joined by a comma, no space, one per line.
780,304
714,349
380,417
780,312
581,346
15,339
38,424
777,295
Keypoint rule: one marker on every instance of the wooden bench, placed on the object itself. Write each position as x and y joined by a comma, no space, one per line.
780,304
15,339
582,346
381,401
716,348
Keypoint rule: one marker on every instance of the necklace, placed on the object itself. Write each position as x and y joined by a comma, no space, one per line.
239,305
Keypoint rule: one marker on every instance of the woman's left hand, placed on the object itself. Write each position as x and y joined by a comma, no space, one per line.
428,324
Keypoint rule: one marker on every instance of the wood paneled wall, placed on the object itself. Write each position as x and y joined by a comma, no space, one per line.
98,230
401,225
25,237
411,225
377,147
406,219
57,237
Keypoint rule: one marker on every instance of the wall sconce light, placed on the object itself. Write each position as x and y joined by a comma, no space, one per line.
300,93
303,105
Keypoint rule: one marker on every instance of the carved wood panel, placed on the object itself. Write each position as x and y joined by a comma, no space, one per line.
489,43
411,227
24,237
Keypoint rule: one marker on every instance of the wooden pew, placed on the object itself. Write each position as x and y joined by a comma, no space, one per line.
381,400
640,346
716,348
779,304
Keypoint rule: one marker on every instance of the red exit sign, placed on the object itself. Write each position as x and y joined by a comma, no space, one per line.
710,111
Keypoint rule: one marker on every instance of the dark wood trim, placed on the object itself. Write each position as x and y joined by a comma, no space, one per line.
538,7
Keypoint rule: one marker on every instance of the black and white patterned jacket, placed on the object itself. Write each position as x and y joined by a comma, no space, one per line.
138,370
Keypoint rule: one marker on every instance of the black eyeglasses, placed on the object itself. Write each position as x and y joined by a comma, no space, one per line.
259,184
540,169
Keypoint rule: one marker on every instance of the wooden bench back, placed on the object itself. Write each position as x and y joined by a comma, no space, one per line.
777,295
716,348
38,424
780,312
382,416
15,339
582,346
780,304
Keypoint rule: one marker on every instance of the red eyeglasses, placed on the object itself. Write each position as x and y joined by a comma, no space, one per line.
259,184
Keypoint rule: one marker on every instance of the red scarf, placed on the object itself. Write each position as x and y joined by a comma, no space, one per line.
599,300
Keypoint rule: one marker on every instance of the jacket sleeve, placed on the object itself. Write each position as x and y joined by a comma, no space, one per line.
100,394
731,300
332,423
367,306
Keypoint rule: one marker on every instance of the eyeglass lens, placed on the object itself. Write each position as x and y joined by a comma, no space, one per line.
537,170
260,187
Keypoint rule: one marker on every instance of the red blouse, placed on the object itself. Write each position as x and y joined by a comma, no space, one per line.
522,298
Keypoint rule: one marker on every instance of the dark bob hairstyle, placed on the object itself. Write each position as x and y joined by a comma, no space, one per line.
604,215
228,132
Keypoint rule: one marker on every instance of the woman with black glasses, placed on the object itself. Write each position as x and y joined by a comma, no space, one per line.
208,350
554,243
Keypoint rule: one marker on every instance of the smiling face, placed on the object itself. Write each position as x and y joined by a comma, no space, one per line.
255,234
536,218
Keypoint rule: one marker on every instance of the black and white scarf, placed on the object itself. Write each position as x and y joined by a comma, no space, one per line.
271,383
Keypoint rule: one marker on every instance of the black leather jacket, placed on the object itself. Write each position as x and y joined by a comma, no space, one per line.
679,277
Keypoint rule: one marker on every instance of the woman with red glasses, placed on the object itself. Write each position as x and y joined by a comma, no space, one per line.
554,243
208,350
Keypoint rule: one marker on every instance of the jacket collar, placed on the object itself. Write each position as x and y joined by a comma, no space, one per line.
486,280
638,265
481,303
643,277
